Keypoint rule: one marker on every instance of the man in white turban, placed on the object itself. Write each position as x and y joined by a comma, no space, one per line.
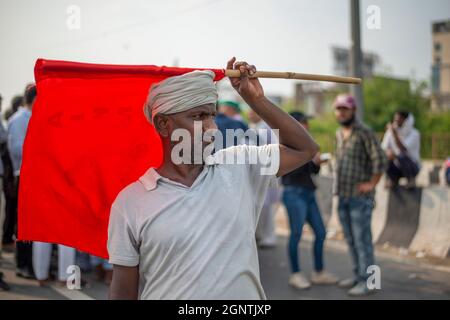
187,230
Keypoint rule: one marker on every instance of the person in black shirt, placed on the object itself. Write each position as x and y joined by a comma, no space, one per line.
300,201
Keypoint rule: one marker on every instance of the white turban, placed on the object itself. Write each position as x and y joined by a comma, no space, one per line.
181,93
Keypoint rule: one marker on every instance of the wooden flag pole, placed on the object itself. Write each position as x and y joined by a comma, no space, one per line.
297,76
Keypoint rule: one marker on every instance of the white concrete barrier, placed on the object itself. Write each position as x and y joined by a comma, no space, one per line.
433,234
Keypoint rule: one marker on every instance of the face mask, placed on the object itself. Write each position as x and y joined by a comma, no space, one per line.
349,122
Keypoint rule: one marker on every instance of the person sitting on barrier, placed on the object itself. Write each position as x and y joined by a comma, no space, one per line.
401,143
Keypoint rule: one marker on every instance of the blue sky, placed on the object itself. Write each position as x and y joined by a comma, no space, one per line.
281,35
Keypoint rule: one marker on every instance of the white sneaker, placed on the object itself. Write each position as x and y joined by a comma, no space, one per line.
360,289
347,283
297,280
323,277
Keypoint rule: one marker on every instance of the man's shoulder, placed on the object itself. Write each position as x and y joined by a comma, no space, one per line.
247,158
13,118
364,131
132,193
241,149
364,128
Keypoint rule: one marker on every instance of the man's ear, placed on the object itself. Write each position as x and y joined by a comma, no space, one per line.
161,123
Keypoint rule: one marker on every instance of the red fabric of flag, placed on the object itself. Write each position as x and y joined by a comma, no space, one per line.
87,139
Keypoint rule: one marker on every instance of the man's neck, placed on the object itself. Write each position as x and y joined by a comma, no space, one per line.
185,174
347,130
181,173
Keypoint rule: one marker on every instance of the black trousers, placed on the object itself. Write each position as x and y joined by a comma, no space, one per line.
401,167
10,222
10,192
24,250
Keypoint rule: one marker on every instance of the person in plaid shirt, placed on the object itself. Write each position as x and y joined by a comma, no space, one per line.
360,163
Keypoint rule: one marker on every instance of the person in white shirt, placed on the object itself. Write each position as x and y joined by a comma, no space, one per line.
401,143
265,232
187,230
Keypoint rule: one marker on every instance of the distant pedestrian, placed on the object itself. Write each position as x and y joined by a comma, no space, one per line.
42,253
3,139
447,171
3,285
266,236
401,143
17,129
300,200
16,103
231,109
224,122
10,221
360,163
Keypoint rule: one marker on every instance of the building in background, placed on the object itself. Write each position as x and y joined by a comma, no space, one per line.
341,62
315,98
440,81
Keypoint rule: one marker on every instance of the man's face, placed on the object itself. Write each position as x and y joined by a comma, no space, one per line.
399,120
343,114
202,116
186,119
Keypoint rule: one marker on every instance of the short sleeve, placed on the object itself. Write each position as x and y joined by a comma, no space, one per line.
122,244
385,144
261,165
262,174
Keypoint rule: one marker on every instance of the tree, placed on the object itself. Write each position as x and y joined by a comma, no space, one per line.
383,96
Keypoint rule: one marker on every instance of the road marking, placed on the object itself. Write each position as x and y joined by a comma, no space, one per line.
71,294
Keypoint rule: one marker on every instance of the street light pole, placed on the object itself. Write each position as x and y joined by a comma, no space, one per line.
356,56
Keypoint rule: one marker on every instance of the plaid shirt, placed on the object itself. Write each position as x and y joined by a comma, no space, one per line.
357,159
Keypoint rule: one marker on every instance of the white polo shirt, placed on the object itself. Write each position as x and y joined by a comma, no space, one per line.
194,242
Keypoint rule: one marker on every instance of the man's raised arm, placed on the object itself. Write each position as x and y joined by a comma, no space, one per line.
296,145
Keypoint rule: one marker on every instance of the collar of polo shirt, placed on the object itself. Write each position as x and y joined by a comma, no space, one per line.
150,179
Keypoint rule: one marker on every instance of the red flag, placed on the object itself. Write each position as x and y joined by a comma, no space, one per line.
87,139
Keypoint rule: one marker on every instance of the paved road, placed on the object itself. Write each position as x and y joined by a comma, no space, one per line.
399,279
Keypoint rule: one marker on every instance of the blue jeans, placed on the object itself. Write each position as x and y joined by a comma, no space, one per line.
355,214
95,261
302,206
447,176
